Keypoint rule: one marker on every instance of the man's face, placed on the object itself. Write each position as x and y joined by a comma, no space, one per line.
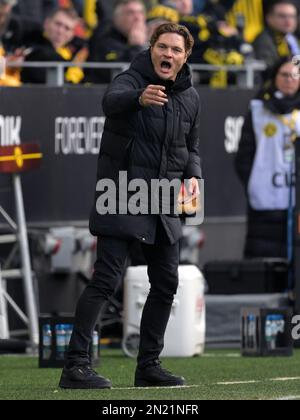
287,80
284,19
128,16
60,29
5,12
184,7
168,56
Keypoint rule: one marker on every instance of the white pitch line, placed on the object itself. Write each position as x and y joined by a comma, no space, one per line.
237,383
290,398
155,387
217,383
221,356
257,382
285,379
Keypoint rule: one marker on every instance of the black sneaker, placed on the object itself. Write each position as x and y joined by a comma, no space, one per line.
82,377
155,375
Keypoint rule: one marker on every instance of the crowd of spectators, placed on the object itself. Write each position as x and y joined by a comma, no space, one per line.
226,32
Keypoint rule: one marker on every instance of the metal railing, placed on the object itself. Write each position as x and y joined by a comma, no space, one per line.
56,70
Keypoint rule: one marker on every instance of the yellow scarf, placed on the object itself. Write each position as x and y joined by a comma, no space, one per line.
73,74
252,10
219,79
282,45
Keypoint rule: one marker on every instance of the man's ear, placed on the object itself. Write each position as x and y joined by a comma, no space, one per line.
269,20
46,23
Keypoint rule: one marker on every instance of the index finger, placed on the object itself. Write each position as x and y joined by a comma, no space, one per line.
157,87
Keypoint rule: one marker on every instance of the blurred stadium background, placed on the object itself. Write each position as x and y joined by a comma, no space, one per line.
51,88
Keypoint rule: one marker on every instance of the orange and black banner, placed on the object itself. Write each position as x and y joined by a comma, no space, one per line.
21,158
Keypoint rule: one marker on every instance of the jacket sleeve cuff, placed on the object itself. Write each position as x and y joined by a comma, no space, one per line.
192,170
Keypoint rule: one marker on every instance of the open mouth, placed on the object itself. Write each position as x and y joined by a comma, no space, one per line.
165,65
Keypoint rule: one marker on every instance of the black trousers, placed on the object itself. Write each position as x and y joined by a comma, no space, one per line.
163,260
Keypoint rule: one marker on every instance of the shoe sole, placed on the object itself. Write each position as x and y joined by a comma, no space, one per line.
65,384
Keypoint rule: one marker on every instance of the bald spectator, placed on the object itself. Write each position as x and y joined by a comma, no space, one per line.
124,39
279,39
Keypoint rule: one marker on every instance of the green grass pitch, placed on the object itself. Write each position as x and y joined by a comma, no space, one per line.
218,375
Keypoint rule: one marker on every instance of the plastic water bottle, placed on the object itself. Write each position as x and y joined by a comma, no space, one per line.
60,342
281,324
251,331
268,332
47,342
95,350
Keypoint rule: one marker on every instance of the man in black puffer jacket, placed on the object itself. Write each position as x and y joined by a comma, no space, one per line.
152,133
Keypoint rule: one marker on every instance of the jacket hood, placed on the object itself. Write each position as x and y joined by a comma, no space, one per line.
143,65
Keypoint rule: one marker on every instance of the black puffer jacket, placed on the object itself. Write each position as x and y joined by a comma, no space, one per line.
150,143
